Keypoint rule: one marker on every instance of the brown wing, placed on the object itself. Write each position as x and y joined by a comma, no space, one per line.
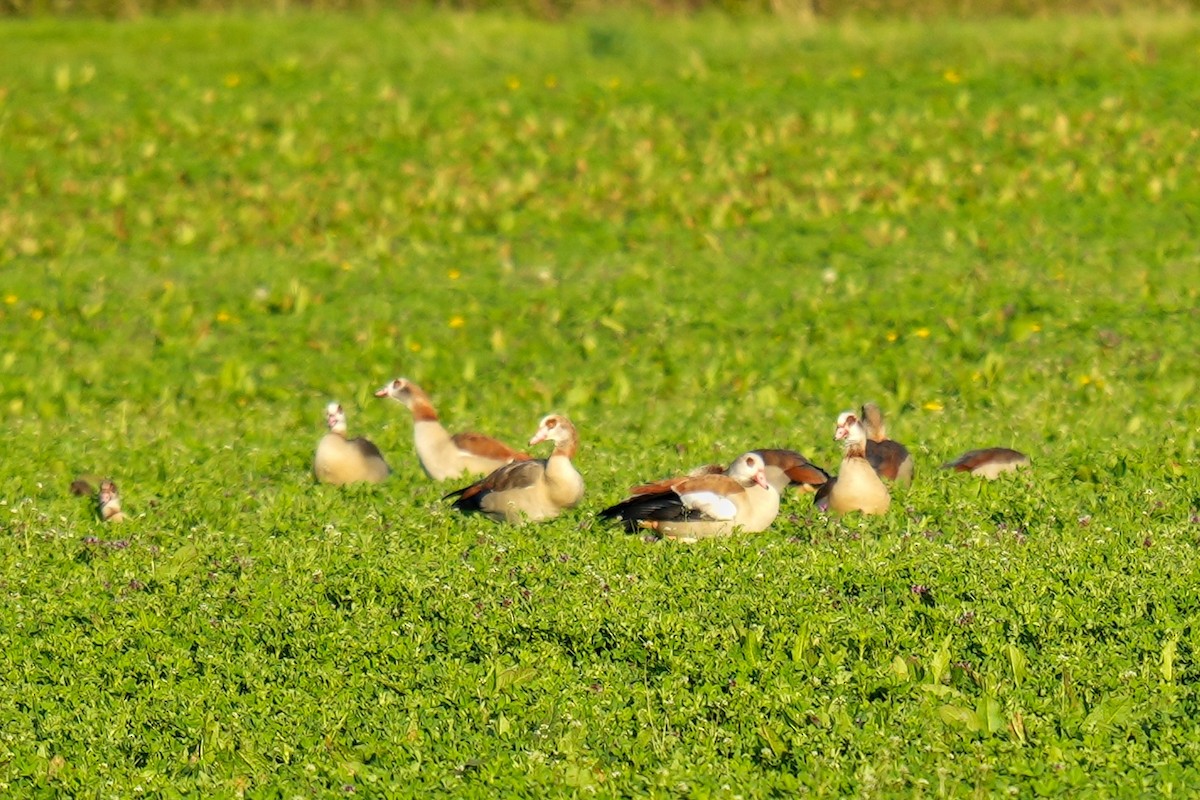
887,457
516,475
666,484
486,447
367,448
716,484
798,468
973,459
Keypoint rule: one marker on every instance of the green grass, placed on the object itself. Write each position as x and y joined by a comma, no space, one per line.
695,237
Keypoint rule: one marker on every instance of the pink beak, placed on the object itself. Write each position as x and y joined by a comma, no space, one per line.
382,392
540,436
760,478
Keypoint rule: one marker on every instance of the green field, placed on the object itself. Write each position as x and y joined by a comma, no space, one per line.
695,237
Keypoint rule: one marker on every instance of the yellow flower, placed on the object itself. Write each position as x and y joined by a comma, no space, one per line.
512,82
36,314
453,274
10,299
952,76
414,347
1036,327
892,336
1084,380
232,80
551,82
346,267
922,333
457,322
857,72
223,316
932,405
614,83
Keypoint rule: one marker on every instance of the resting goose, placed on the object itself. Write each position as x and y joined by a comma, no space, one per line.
444,456
890,459
857,487
532,490
990,462
339,460
110,502
786,468
783,468
703,503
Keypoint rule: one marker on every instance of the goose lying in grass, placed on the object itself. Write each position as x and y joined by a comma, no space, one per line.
857,486
890,459
109,500
786,468
444,456
703,503
989,462
339,460
533,490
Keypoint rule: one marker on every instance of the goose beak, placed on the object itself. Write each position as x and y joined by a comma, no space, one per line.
760,478
538,437
382,392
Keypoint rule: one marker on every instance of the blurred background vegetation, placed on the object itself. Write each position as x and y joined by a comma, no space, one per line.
554,9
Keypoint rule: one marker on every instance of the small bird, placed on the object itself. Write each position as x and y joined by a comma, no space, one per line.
989,462
857,486
534,490
702,503
109,502
890,459
339,460
441,455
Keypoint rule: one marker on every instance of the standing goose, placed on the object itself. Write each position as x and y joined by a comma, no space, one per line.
890,459
339,460
703,503
109,501
444,456
857,487
990,462
532,490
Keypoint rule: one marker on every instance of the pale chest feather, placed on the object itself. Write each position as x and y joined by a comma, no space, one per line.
338,461
858,488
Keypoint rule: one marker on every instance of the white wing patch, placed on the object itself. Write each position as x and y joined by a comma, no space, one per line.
712,505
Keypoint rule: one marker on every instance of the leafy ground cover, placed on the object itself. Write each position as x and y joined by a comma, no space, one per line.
694,237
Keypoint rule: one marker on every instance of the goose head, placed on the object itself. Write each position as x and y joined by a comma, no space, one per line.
749,468
558,429
400,390
849,429
335,418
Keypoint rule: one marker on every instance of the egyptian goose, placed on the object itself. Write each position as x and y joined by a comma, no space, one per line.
339,460
990,462
703,503
857,487
531,490
109,500
786,468
890,459
444,456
